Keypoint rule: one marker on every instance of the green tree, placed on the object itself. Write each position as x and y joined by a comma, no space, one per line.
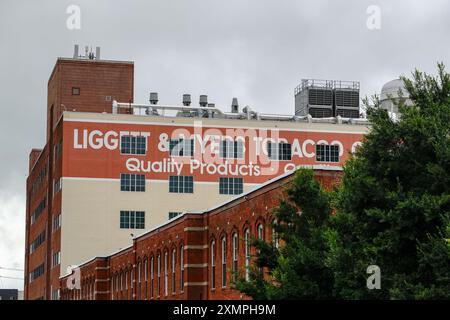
394,202
392,210
297,270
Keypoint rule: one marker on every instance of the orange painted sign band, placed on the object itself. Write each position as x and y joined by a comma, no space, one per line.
96,150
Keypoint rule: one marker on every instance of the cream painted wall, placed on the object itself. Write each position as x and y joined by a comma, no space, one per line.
91,213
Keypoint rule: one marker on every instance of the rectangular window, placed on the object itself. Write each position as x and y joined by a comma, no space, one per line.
75,91
231,185
57,150
56,222
327,153
173,214
132,182
39,179
232,149
57,186
279,151
37,242
181,184
55,294
133,145
56,259
132,220
181,147
36,273
38,211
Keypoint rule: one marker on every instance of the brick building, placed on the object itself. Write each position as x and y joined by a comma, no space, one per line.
193,256
78,85
112,169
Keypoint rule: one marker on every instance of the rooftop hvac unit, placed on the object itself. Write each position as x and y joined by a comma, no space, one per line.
326,98
346,97
314,97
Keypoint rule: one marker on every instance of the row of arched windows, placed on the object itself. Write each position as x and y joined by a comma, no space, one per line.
86,290
153,276
162,274
219,249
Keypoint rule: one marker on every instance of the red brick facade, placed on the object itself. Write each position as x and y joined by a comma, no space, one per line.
96,83
99,82
132,274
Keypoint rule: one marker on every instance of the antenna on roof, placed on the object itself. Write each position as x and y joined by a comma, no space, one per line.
88,53
75,51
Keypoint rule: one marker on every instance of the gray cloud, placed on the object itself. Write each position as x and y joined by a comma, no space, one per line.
253,49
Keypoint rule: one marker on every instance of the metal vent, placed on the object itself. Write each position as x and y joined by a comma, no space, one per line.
347,98
320,97
320,113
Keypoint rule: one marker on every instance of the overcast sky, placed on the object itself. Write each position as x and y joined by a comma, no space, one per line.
256,50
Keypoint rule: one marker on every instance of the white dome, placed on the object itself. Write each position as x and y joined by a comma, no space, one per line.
390,92
391,89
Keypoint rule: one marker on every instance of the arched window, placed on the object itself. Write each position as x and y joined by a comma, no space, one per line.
275,238
235,254
126,285
131,283
247,253
224,261
260,231
121,286
112,287
166,274
158,289
117,286
152,277
213,264
139,281
260,237
173,271
182,268
145,278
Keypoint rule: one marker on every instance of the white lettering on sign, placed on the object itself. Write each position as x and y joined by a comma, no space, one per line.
210,143
168,165
251,158
96,139
163,166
